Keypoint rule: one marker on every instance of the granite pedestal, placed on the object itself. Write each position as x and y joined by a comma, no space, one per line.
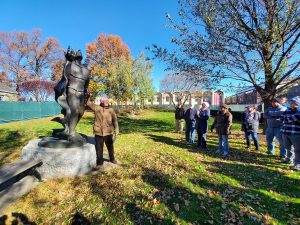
61,162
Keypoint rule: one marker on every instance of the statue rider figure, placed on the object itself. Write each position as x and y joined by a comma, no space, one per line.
70,94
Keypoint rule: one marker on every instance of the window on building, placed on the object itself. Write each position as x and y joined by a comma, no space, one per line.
157,99
149,100
1,98
167,99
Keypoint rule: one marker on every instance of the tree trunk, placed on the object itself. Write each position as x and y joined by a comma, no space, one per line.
269,91
38,95
134,102
268,94
267,104
38,90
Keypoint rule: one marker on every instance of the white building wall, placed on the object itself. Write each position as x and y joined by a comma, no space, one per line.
160,99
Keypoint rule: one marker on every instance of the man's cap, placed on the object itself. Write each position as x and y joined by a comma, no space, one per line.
295,100
276,100
224,106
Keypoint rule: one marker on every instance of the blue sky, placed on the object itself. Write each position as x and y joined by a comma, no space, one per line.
76,23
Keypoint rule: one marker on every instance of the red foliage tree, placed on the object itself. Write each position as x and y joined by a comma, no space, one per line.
14,54
45,88
25,56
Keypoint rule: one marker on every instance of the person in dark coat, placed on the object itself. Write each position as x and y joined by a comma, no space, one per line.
250,126
203,115
290,131
190,120
222,123
179,117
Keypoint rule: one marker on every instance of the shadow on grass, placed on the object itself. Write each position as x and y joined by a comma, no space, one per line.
235,153
143,208
18,218
245,156
259,178
79,219
179,200
129,125
135,125
263,191
236,205
141,216
9,141
21,218
170,141
223,203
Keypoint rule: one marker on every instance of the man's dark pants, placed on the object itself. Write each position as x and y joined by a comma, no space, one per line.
99,147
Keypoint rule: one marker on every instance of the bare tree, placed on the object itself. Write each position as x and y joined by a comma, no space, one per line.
42,55
251,42
143,87
179,84
14,54
26,56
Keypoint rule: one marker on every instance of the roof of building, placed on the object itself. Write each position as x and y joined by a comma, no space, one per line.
7,89
250,89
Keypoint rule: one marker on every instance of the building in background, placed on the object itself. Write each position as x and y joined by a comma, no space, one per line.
292,91
215,98
8,93
251,96
247,96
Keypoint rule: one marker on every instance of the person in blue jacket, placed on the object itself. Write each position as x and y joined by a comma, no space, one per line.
190,120
250,126
273,115
291,133
203,115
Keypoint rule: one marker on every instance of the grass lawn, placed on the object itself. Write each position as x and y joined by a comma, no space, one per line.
163,180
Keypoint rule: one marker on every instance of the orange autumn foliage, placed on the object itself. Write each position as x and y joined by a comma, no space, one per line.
107,48
57,69
103,53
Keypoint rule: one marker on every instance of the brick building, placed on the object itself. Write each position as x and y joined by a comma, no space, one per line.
251,96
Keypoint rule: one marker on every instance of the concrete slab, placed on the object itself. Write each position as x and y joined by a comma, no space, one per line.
17,190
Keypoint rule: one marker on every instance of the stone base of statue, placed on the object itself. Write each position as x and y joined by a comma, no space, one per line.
61,140
63,162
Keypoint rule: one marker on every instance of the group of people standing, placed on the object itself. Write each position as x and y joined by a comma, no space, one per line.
283,123
197,121
283,120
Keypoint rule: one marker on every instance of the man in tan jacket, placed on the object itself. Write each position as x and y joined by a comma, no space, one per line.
105,126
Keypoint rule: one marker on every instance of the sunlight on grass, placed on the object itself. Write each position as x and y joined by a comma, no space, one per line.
280,197
162,180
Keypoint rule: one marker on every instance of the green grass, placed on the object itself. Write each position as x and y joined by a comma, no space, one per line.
162,180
